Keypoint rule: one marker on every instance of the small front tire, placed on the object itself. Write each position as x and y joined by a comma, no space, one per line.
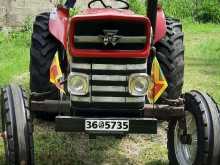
203,126
16,127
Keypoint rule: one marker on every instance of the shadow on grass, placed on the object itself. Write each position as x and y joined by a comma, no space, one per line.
72,148
77,149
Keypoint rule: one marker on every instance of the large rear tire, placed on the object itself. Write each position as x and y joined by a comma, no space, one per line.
170,54
43,48
203,126
16,127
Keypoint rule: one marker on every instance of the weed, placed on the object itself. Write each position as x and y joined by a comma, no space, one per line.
28,25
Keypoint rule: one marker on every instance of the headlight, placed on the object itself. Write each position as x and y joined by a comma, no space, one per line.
78,84
138,84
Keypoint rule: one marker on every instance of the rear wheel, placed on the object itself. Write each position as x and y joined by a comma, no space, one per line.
16,127
203,128
170,54
43,48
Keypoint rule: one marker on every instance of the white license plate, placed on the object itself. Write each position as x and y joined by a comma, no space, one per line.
106,125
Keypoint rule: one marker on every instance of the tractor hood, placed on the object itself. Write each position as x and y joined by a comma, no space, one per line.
114,33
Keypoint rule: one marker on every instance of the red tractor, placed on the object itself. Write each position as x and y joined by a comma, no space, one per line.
109,71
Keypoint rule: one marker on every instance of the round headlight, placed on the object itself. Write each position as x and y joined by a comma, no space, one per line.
78,84
138,84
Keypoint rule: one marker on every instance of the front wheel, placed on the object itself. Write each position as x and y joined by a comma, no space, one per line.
16,127
203,131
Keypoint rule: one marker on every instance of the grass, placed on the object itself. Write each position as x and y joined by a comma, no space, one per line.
203,58
14,55
202,42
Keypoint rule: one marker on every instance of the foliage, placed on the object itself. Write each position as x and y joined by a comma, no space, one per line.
74,11
179,8
198,10
28,25
208,12
61,1
137,6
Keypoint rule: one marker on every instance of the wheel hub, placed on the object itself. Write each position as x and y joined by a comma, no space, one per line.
186,139
186,144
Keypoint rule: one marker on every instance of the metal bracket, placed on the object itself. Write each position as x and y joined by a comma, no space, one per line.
50,106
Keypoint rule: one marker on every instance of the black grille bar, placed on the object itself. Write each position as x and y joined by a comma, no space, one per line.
125,35
125,28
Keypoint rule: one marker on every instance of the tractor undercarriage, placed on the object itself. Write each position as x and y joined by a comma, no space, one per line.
141,120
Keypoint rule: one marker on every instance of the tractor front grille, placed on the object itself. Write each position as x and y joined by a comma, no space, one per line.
108,82
127,35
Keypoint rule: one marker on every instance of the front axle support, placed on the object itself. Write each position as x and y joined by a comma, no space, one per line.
158,111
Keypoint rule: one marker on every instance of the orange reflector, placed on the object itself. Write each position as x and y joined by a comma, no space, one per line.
159,83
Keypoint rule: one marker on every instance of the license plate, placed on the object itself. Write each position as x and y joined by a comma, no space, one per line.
106,125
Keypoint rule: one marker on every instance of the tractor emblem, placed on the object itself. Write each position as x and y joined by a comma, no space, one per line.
110,37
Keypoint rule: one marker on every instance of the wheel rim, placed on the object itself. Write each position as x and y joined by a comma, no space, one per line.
6,149
5,139
186,153
4,135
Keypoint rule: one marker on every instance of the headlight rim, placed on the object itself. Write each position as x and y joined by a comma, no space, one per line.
132,78
84,77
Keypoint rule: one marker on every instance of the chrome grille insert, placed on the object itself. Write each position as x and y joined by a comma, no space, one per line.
109,80
109,77
122,40
108,89
108,99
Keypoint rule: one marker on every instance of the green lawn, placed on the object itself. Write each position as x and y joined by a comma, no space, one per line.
202,42
202,60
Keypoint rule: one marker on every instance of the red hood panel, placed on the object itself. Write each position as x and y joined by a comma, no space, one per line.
108,14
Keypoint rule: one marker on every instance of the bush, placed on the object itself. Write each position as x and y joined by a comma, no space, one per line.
178,8
208,12
198,10
138,6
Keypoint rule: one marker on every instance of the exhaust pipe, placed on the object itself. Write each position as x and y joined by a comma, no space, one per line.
152,13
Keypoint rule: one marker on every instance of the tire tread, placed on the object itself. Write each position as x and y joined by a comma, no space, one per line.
170,54
43,49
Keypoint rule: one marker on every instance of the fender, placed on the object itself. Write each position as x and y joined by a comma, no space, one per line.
161,26
58,24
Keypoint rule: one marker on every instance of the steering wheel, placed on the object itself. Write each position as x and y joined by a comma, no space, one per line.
106,6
